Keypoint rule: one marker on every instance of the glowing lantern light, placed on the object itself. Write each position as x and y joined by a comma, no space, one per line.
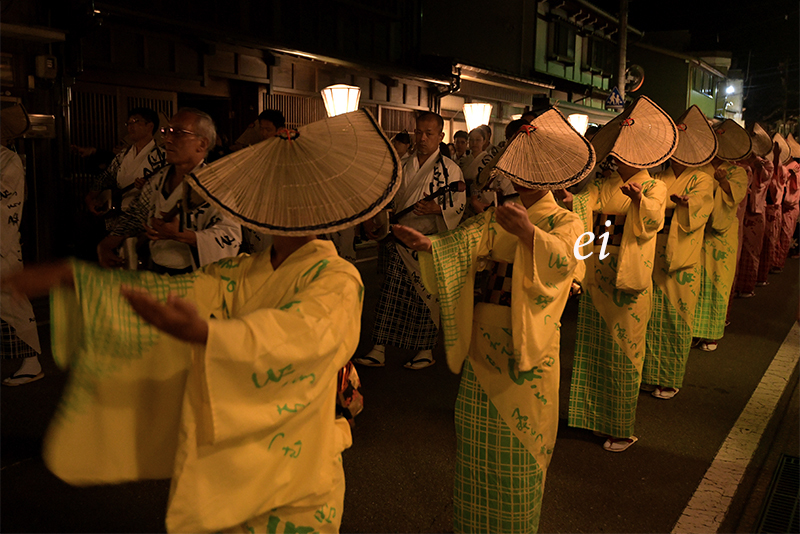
477,114
340,99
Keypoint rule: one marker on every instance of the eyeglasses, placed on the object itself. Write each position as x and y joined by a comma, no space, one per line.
176,132
131,122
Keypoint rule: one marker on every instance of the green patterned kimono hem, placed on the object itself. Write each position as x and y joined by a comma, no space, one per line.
669,340
498,483
605,383
712,307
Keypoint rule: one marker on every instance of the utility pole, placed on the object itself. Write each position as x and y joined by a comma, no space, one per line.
623,46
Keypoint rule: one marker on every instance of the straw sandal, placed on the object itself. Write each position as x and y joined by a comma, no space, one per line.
665,393
22,378
708,346
374,358
619,444
423,359
368,361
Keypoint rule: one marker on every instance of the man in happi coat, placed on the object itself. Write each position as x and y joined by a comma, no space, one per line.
224,379
721,238
754,224
676,273
19,337
128,172
507,340
627,208
407,315
185,232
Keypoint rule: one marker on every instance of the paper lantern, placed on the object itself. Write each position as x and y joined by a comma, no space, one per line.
340,99
477,114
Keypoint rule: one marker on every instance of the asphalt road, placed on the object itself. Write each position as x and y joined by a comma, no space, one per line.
400,468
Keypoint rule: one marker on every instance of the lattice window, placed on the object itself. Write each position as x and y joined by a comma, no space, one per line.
298,110
163,107
397,120
93,123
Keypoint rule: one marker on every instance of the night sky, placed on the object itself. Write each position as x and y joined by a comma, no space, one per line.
763,36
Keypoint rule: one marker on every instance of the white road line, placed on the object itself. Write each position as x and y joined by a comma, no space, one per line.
709,504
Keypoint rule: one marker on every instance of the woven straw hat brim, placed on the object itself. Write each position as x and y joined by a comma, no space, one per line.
794,146
642,136
697,144
734,141
786,152
336,173
14,122
550,154
762,144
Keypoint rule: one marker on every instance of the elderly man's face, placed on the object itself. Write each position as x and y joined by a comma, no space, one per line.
428,135
182,143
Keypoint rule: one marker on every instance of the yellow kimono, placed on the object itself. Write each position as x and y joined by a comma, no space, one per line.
720,243
507,407
245,426
676,277
615,306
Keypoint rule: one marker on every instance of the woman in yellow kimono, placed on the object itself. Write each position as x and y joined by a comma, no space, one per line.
721,236
624,211
508,341
225,379
676,274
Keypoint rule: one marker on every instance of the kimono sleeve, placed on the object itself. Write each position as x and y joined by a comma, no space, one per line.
547,272
700,191
108,178
453,204
637,250
767,170
120,409
553,260
263,368
219,238
133,220
450,269
93,319
725,205
648,215
11,203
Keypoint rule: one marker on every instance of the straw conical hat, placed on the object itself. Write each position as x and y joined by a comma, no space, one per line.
697,144
794,146
547,154
762,145
642,136
14,122
734,141
786,152
329,175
